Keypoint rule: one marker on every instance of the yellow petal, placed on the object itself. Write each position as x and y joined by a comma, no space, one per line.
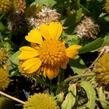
27,53
44,31
51,72
34,36
72,51
27,48
55,29
35,46
32,65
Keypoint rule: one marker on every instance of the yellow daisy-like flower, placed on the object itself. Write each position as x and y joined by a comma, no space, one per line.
47,52
40,101
4,80
101,68
5,6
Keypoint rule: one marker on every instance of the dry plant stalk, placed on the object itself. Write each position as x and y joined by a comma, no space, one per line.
11,97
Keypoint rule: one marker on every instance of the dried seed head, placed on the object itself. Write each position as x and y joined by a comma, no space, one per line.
87,29
46,15
49,14
19,6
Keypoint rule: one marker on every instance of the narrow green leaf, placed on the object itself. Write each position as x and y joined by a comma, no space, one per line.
70,98
92,45
46,2
79,15
60,97
72,88
106,18
2,27
102,98
78,66
91,94
72,39
67,103
106,40
84,8
14,58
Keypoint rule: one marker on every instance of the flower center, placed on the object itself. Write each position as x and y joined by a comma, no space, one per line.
52,52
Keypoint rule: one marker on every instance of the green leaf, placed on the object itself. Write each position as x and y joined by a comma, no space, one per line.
2,27
102,98
60,97
46,2
84,8
106,18
77,65
70,98
91,94
106,40
92,45
72,39
79,15
14,58
7,45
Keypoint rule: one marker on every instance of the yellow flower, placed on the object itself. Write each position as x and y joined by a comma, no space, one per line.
40,101
5,6
4,80
47,52
101,68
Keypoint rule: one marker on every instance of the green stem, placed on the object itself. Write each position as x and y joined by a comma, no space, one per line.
78,76
78,3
